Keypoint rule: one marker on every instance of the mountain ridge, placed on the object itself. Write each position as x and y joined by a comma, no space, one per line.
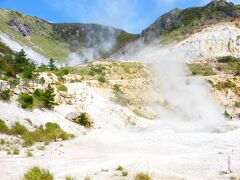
49,39
178,24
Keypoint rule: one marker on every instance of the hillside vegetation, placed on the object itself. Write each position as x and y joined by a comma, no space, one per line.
58,40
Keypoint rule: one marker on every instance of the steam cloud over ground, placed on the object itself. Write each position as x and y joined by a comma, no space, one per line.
185,99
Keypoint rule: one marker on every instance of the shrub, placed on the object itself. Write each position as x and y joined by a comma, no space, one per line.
16,151
124,173
119,168
38,174
70,178
38,92
5,95
29,154
18,129
237,104
52,132
227,59
3,127
64,71
27,73
142,176
201,69
61,87
227,115
102,79
85,120
229,84
25,100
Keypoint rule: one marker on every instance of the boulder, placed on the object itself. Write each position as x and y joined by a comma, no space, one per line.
72,116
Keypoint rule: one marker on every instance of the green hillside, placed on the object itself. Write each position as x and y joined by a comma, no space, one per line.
57,40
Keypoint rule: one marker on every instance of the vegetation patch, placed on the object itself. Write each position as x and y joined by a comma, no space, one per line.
70,178
119,96
11,65
227,59
142,176
26,101
61,87
225,84
85,120
51,132
5,95
201,69
229,65
102,79
119,168
227,115
41,98
37,173
115,70
237,104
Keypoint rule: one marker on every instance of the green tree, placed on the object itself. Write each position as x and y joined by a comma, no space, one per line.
17,64
49,97
51,65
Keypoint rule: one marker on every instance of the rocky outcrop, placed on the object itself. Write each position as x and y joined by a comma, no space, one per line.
215,41
163,24
21,28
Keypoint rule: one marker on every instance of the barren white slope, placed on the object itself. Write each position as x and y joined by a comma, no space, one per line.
15,46
215,41
163,148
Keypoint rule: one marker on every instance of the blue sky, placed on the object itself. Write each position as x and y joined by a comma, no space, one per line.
130,15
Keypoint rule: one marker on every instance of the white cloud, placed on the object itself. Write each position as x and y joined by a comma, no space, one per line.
116,13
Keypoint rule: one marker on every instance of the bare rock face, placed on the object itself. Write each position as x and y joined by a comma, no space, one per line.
21,28
215,41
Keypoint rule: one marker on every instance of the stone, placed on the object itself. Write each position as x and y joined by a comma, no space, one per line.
72,116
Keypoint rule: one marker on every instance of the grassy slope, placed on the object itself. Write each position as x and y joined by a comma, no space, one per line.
57,40
41,38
